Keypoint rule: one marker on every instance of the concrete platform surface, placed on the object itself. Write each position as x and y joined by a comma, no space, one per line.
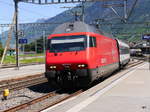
126,91
12,73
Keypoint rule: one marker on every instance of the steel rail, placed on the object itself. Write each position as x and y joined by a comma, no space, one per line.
37,100
62,99
33,81
23,84
13,80
19,107
132,65
74,94
21,64
49,95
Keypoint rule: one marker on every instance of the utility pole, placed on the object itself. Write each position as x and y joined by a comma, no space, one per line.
16,33
23,48
44,41
125,10
35,42
83,11
35,46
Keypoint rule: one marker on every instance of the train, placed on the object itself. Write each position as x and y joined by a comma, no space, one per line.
136,52
78,54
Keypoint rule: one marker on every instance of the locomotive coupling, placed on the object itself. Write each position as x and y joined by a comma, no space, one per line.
5,94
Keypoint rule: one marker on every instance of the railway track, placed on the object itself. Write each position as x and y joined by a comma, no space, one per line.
133,64
13,85
28,107
19,84
21,106
44,101
14,65
143,58
27,82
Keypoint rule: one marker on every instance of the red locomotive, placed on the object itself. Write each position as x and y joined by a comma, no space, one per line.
80,53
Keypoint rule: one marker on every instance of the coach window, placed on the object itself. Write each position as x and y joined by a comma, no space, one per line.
124,50
92,42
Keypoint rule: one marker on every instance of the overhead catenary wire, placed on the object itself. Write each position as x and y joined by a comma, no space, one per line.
147,23
47,2
23,9
132,9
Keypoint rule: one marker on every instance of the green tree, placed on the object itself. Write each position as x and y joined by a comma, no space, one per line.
1,45
31,46
1,49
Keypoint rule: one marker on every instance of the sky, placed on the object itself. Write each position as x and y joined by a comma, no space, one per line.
29,12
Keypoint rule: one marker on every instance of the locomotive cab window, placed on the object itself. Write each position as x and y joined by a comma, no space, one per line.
67,43
92,42
70,43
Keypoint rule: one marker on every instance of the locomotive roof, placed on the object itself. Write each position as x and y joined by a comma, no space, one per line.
78,26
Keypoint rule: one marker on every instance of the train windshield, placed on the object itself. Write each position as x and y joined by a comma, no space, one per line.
67,43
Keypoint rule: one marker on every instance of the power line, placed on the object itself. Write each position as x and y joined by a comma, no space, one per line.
46,2
105,24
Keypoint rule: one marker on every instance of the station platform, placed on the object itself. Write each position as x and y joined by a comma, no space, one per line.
13,73
126,91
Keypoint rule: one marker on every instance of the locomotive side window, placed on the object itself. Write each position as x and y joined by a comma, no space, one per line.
92,42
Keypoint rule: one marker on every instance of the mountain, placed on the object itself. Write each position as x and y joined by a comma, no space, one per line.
94,11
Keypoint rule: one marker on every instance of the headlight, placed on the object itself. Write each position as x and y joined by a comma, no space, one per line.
81,65
52,67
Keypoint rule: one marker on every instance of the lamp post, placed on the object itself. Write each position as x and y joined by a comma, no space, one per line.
148,51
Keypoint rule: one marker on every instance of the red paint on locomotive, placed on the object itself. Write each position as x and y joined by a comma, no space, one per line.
96,60
105,53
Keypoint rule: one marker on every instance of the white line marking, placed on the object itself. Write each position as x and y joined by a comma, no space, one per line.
86,102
